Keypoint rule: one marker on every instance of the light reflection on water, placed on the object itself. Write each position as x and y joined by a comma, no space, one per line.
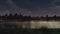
36,24
49,24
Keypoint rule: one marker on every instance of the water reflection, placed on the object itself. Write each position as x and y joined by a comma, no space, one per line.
49,24
34,24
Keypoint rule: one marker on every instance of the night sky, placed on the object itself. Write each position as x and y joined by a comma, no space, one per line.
30,7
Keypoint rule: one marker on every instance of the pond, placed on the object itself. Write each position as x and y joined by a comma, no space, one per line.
35,24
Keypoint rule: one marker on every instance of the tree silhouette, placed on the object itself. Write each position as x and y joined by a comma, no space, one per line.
10,14
21,16
28,17
0,16
15,14
41,18
46,16
6,15
54,16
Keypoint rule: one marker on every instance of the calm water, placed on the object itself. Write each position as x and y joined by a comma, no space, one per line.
33,25
36,24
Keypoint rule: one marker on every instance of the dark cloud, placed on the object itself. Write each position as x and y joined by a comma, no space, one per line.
32,3
30,6
57,3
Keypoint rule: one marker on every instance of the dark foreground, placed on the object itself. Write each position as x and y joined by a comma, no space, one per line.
29,31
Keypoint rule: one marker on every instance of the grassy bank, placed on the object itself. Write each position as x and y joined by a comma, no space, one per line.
29,31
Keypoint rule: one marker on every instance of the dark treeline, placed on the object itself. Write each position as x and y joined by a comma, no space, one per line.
20,17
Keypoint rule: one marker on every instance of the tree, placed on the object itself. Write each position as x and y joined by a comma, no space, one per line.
47,16
10,14
41,17
6,15
0,16
15,14
21,14
54,16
